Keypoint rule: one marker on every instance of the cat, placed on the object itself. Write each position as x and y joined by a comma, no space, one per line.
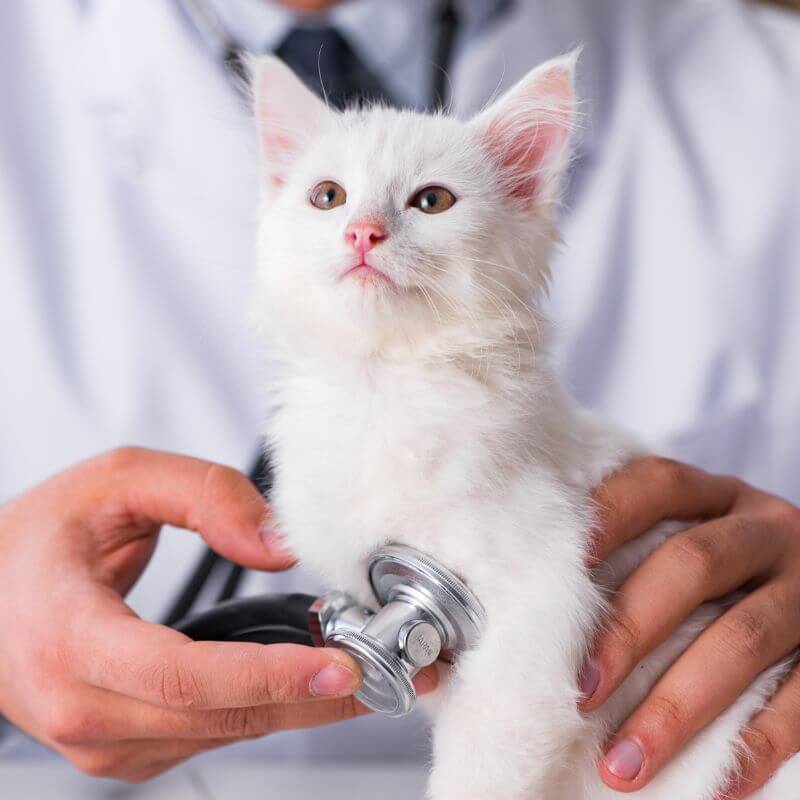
403,258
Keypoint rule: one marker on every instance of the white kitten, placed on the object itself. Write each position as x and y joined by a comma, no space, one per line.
414,402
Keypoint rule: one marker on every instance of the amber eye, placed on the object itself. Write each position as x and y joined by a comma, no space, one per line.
327,195
433,199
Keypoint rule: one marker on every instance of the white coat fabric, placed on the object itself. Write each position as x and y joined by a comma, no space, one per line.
127,203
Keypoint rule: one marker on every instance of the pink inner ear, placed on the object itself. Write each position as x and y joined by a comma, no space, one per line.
276,144
273,139
557,84
273,144
530,141
527,154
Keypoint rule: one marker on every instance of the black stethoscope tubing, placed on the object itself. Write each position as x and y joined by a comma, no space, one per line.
264,619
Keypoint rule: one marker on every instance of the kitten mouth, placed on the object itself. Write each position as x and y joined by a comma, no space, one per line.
366,273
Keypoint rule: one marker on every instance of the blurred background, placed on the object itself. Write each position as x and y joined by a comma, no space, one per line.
128,195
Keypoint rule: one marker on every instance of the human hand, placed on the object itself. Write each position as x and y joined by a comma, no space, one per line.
749,539
118,696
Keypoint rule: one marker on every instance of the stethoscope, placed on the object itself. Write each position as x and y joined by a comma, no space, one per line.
425,613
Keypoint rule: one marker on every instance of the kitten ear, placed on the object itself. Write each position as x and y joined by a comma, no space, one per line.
288,115
527,130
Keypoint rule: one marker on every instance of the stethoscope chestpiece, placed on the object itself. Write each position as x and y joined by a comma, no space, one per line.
427,613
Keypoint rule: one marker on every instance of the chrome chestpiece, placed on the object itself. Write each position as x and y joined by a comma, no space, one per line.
426,613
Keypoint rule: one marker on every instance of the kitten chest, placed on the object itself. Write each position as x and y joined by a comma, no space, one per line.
366,456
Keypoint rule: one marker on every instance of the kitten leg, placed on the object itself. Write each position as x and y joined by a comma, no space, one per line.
507,728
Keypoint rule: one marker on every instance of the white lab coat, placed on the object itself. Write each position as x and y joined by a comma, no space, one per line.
127,198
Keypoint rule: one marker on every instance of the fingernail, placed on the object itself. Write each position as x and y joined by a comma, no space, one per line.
335,680
424,682
588,679
275,543
625,759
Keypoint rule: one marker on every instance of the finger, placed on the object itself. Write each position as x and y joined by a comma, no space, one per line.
100,717
104,716
137,760
258,721
771,738
140,759
653,489
165,668
218,502
692,567
705,680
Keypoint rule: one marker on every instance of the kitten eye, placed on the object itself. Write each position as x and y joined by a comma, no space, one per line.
327,195
433,199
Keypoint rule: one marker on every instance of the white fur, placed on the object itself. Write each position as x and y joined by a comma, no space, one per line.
427,412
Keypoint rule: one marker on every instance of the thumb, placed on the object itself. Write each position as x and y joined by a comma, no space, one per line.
160,666
217,502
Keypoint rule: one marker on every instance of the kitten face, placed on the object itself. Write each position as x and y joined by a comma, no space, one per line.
382,226
381,160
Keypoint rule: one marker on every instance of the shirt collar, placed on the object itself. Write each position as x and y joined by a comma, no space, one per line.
260,25
394,38
257,26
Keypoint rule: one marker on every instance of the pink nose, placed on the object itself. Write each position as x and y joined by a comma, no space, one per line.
363,236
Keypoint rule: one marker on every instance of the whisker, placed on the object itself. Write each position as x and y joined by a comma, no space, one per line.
431,304
515,296
496,264
500,305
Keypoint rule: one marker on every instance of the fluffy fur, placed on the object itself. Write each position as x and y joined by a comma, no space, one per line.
422,408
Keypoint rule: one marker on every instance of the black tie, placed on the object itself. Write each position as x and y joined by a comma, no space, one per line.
324,60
